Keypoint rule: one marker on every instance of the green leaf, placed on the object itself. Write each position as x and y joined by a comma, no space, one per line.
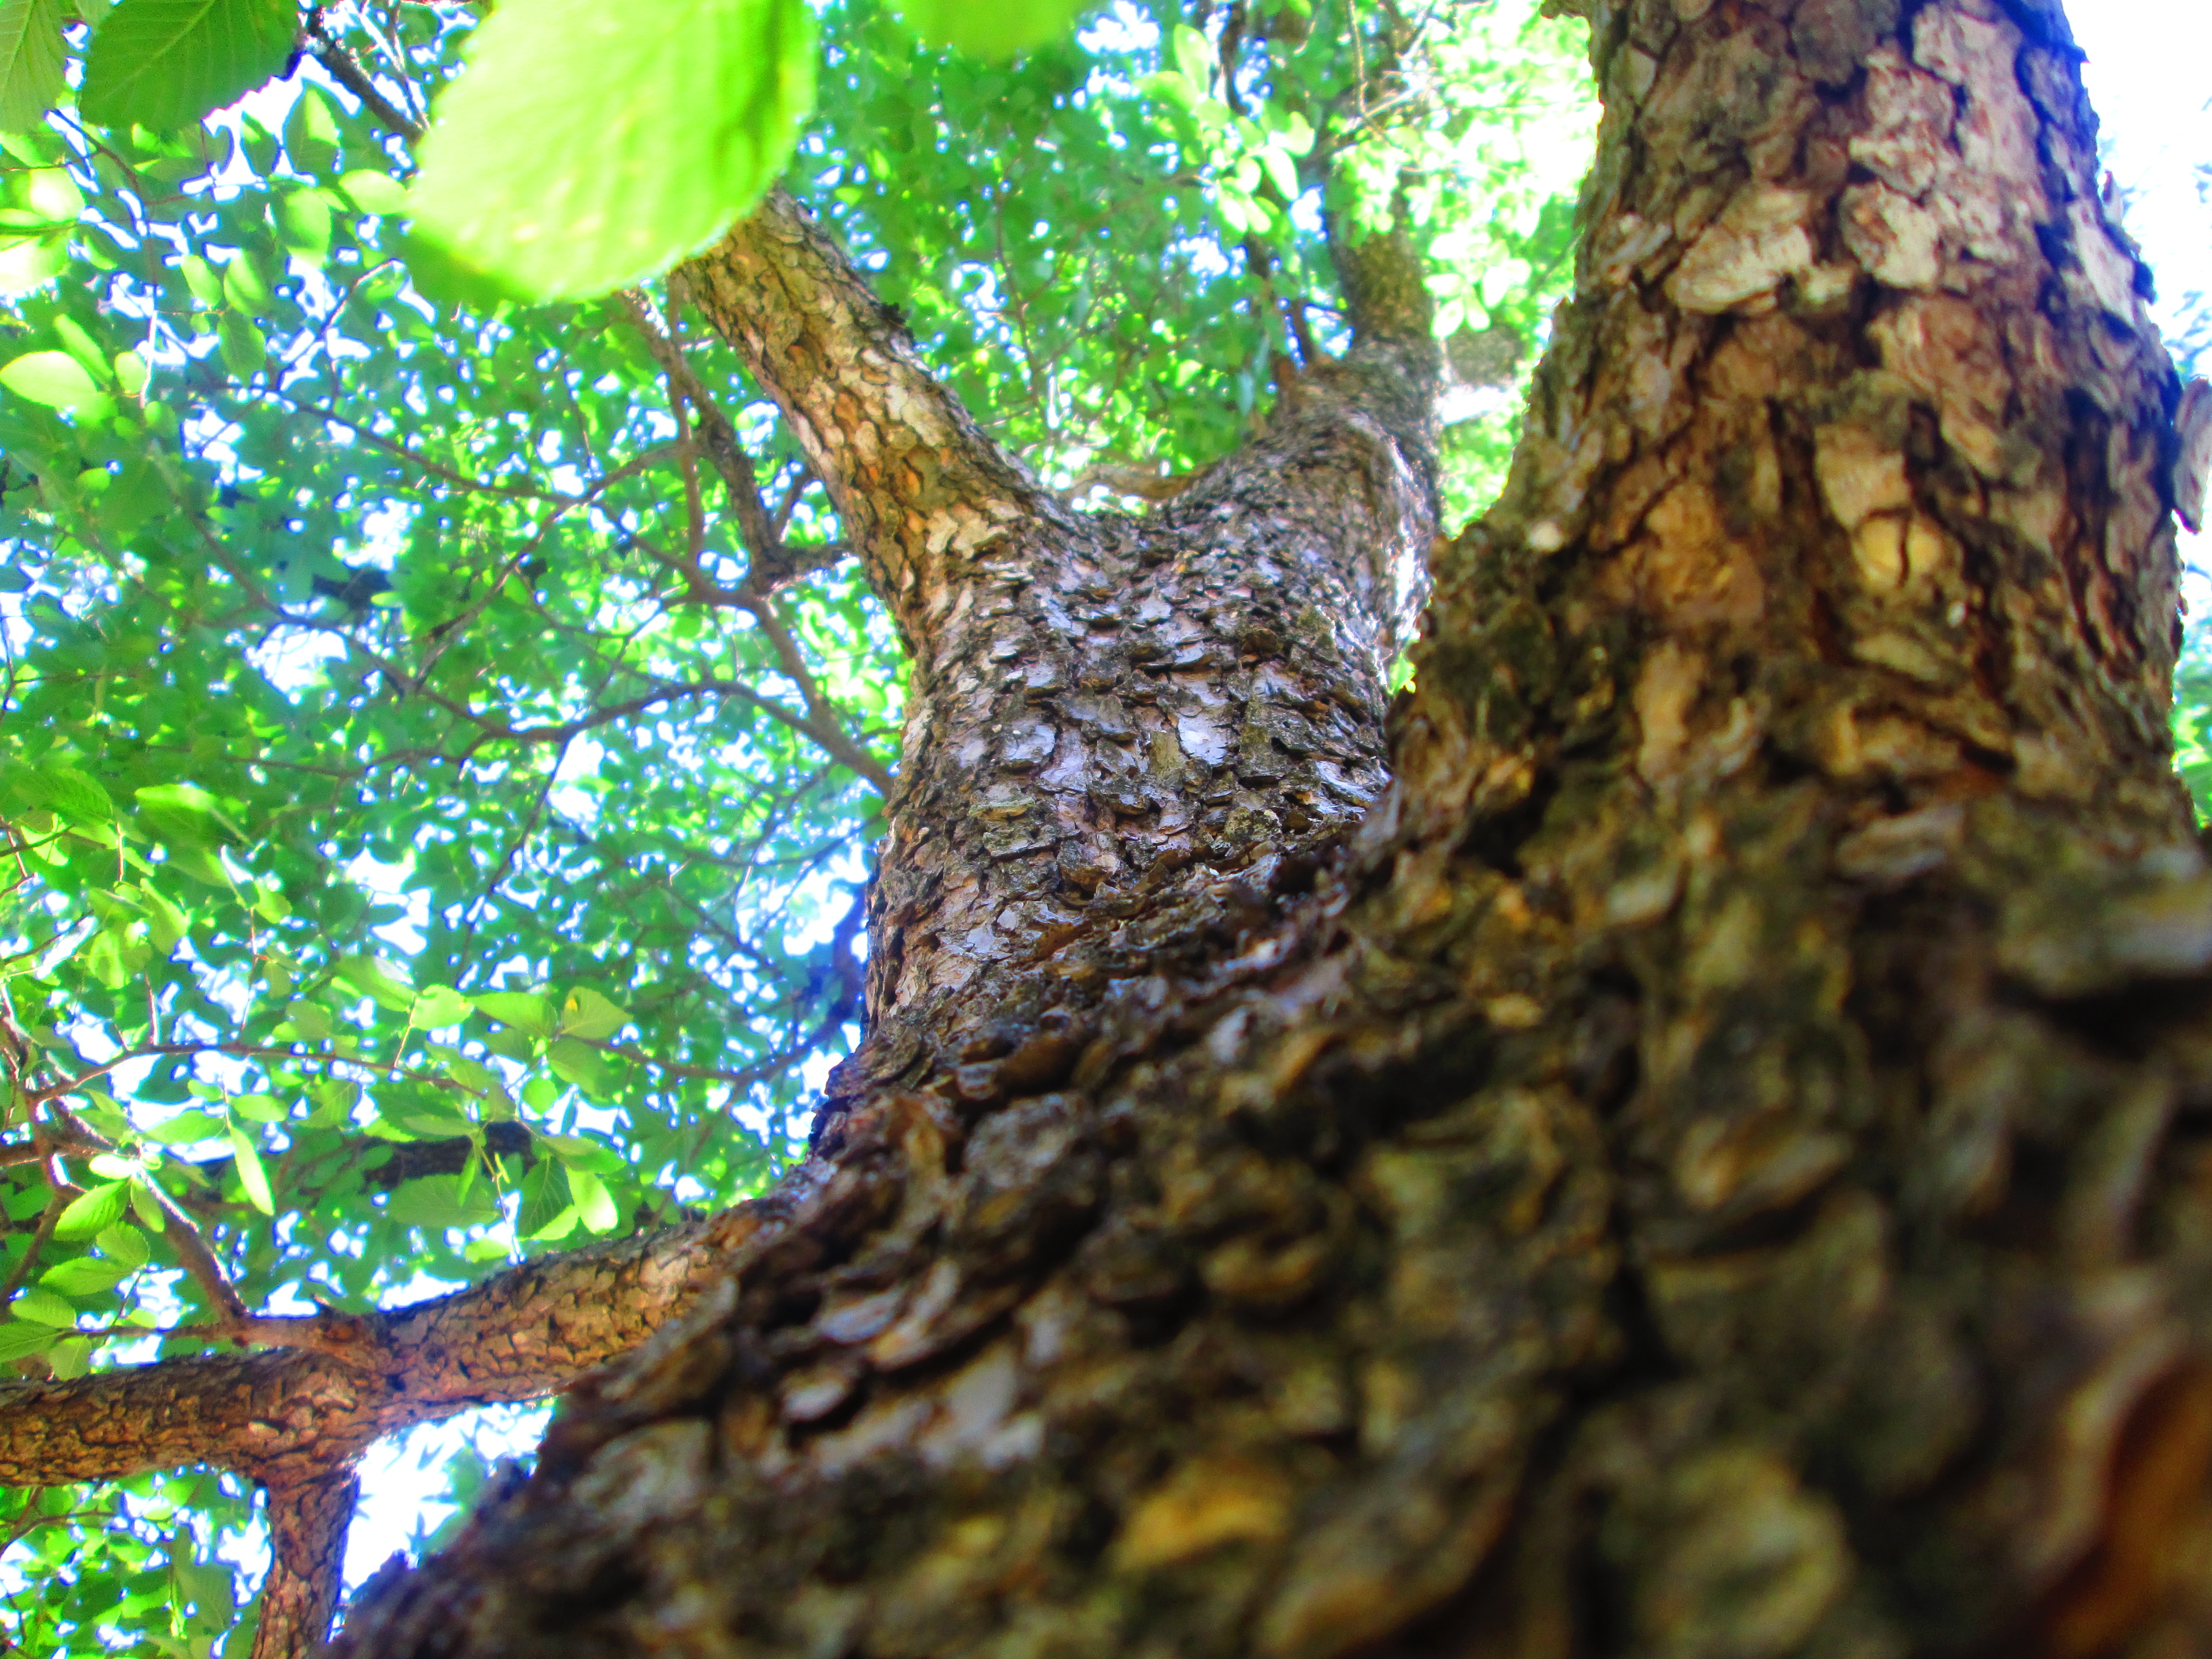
71,1357
21,1338
165,924
540,1092
85,1276
63,789
594,1203
545,1201
533,1014
437,1127
202,278
124,1243
31,55
93,1212
585,145
579,1152
186,1127
437,1006
245,350
147,1207
991,29
251,1175
588,1014
383,982
52,378
36,1301
573,1062
436,1202
164,63
375,192
258,1108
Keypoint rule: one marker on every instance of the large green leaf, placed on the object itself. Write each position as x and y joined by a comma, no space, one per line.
52,378
586,144
993,28
30,80
164,64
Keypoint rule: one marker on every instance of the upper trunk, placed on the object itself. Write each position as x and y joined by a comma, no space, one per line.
1107,712
1708,1183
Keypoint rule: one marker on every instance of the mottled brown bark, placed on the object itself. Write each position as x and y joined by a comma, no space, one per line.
1111,717
307,1524
1722,1175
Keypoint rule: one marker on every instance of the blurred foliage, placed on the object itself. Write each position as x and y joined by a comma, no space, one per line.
386,776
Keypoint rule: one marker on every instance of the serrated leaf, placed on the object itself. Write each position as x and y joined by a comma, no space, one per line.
588,1014
437,1127
91,1212
164,63
437,1006
31,55
71,1357
251,1175
21,1338
594,1203
586,145
520,1009
70,793
38,1302
124,1243
992,28
52,378
85,1276
258,1108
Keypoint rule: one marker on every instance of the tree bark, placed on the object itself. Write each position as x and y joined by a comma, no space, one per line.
1719,1173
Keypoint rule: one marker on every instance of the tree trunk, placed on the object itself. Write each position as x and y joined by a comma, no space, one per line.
1720,1170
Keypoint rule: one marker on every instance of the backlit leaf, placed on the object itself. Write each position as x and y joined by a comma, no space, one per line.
31,55
588,1014
36,1301
990,28
585,145
89,1212
594,1203
52,378
251,1175
164,64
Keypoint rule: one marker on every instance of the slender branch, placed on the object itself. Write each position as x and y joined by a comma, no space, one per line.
339,65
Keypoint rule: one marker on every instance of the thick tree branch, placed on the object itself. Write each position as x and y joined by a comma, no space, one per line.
521,1334
919,487
307,1523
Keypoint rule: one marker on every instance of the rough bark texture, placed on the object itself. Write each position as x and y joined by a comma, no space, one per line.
1107,712
307,1523
297,1418
1723,1173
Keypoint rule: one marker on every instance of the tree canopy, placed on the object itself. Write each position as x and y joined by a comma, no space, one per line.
445,733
